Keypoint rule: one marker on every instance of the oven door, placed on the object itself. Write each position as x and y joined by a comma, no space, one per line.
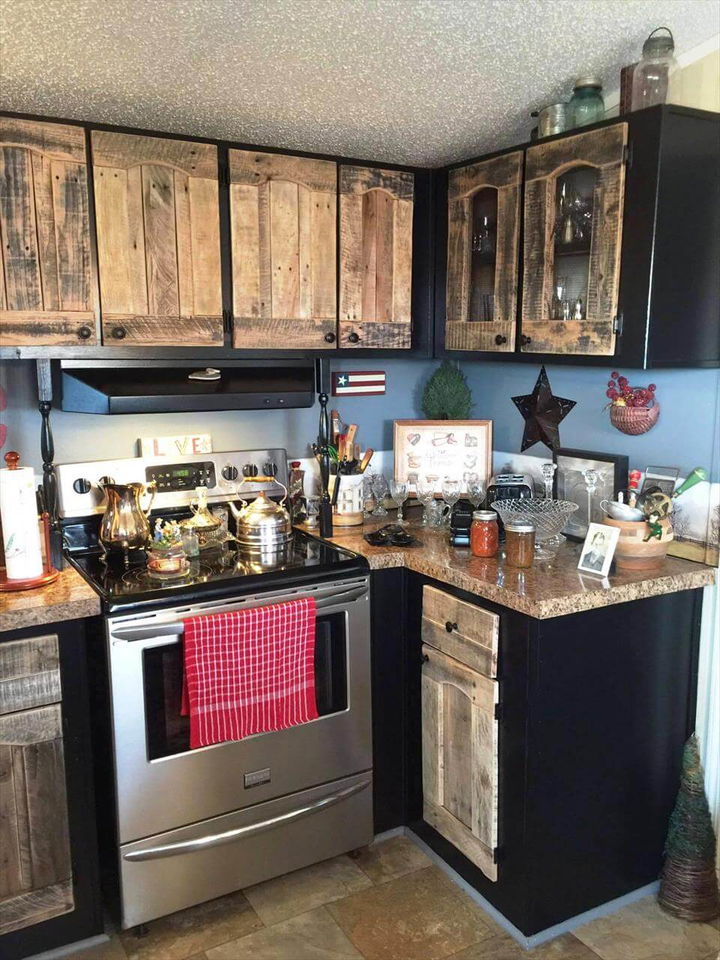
162,784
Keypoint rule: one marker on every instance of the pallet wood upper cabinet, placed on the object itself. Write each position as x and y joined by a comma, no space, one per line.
158,236
47,288
482,262
574,194
283,213
460,757
376,229
35,868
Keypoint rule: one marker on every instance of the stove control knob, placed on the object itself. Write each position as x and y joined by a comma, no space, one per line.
103,480
270,469
250,470
81,485
229,472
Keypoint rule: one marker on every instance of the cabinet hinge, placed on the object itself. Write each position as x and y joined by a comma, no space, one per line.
628,154
618,324
227,321
498,854
499,712
224,174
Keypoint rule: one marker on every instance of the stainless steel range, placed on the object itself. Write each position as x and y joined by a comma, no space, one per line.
196,824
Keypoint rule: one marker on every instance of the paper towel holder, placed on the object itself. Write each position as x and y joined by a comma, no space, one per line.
49,574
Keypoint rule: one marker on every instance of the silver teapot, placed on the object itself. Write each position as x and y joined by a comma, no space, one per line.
262,526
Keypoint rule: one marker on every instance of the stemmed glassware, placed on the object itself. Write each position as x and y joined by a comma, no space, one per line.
592,479
368,495
381,491
475,492
548,472
426,495
398,495
450,490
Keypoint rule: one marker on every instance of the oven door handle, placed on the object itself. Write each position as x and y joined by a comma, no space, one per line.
174,630
229,836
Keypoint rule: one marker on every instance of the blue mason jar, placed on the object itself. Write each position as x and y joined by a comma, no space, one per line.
586,104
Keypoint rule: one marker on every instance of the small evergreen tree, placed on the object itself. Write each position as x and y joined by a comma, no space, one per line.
447,395
688,883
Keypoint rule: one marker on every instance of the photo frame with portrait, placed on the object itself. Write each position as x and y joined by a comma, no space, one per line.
598,549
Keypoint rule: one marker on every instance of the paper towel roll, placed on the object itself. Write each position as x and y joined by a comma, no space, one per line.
21,533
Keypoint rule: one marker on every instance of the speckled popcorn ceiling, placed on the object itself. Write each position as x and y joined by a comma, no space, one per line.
414,81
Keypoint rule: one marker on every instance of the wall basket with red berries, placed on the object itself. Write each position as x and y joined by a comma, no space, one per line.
633,410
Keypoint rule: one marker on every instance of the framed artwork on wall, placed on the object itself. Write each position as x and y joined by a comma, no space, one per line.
437,449
587,478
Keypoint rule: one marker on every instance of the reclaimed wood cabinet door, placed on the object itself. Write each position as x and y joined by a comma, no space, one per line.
35,866
283,219
48,293
574,194
376,228
158,238
482,258
460,757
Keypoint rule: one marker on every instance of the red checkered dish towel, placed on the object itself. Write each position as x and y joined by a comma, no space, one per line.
250,671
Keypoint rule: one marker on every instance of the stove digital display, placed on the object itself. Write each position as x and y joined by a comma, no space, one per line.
181,476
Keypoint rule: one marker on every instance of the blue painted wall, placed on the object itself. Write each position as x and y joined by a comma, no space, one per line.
686,434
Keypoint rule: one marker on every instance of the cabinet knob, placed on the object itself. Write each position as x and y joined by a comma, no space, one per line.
118,333
84,332
329,337
353,337
500,339
525,340
424,658
449,626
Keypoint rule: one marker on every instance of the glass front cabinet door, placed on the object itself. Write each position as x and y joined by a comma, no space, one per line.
482,265
574,191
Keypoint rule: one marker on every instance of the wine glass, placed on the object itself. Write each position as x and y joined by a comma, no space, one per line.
450,490
426,495
475,492
380,489
368,495
398,495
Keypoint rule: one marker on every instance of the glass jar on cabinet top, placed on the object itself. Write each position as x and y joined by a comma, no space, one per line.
586,104
655,74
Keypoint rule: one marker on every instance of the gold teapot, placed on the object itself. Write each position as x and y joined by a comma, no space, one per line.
124,525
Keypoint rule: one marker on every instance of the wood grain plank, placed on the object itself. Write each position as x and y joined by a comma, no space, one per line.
135,250
374,334
20,328
475,635
268,332
160,250
125,150
458,261
483,793
57,141
252,167
23,658
181,187
466,842
36,906
323,241
385,258
47,812
245,230
432,740
72,234
351,258
538,259
358,180
265,251
369,255
506,260
11,878
402,263
45,225
596,148
31,726
457,754
305,286
21,266
285,248
505,171
156,331
205,233
113,241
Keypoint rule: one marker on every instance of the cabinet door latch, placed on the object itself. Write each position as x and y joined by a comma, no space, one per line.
499,712
618,324
628,155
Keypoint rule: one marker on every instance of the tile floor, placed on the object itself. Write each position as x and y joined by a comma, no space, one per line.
390,903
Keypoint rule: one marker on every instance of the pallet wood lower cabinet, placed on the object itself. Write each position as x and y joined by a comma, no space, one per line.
283,212
158,237
482,258
47,285
376,232
460,757
574,196
36,877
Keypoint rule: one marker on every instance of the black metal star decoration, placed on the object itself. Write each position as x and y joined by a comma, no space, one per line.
542,413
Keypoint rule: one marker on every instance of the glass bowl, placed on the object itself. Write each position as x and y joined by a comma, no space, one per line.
548,516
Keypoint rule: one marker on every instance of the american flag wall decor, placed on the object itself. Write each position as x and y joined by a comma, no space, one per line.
349,382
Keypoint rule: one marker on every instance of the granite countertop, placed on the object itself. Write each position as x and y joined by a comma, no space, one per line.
69,598
547,589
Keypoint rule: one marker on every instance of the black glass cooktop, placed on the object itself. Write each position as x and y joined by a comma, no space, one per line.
223,571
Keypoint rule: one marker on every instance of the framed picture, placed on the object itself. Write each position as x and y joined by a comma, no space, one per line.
587,478
436,449
598,550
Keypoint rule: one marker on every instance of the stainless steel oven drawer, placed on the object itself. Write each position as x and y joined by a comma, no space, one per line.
174,870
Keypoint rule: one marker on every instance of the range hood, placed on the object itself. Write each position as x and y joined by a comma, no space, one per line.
165,386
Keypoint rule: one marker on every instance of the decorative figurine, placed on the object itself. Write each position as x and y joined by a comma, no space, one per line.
655,530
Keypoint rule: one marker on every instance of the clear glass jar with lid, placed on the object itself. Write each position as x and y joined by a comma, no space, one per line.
586,104
655,73
519,543
484,535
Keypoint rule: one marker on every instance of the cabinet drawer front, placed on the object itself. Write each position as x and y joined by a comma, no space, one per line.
460,757
462,630
29,673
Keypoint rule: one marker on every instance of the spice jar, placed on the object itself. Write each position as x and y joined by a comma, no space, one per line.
519,543
484,536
